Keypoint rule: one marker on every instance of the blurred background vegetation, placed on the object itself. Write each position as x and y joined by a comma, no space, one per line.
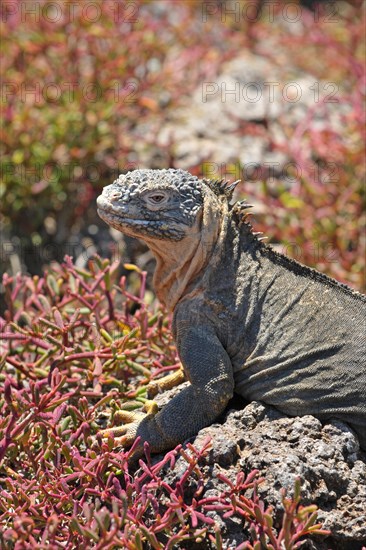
88,88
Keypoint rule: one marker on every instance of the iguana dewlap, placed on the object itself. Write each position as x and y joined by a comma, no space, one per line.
246,319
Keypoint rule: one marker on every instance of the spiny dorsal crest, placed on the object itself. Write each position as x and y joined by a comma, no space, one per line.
242,215
221,187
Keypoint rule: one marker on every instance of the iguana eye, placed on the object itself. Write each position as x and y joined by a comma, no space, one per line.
157,198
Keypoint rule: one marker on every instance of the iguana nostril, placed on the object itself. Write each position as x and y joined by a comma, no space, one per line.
115,195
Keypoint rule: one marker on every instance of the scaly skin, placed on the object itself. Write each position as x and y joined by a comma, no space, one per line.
246,319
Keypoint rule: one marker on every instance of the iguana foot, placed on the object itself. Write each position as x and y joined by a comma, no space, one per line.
130,424
166,383
125,435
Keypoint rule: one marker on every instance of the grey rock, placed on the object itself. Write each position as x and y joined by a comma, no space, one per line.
327,458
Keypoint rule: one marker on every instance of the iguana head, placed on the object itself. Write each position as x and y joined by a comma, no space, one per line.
152,204
179,216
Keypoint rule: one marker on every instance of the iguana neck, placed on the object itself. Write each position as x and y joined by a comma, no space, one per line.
179,263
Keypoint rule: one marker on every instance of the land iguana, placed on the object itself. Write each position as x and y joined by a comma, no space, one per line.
246,318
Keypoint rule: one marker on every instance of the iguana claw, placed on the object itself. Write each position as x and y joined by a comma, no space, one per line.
126,423
166,383
125,435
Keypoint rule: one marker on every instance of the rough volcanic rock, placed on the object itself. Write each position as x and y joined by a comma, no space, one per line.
326,457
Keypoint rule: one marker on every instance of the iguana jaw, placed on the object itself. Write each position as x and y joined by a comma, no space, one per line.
117,221
121,219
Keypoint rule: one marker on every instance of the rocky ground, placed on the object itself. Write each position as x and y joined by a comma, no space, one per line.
326,457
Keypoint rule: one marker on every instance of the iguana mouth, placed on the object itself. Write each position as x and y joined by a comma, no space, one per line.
109,213
120,219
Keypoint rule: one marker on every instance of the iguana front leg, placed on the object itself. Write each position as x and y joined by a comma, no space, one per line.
209,370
